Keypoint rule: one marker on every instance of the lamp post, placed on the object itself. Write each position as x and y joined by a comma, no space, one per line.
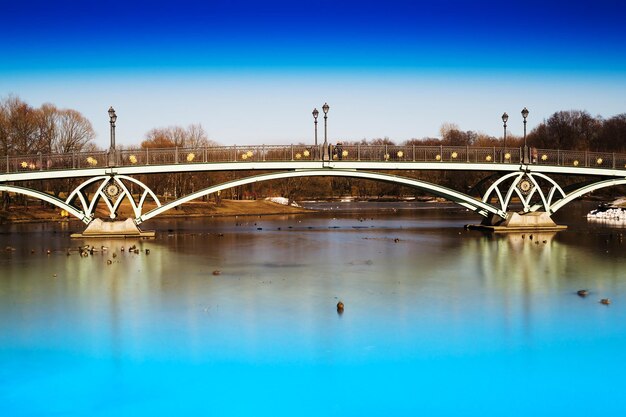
505,118
325,109
112,119
315,114
525,115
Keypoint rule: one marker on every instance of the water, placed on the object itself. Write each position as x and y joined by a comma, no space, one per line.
438,321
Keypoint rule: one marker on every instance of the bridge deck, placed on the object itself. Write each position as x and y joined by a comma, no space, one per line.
275,157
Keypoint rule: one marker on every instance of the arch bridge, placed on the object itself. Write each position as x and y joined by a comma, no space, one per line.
537,179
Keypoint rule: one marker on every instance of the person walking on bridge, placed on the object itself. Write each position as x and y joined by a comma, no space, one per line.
339,150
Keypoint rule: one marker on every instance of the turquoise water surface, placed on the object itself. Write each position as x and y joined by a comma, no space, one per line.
438,321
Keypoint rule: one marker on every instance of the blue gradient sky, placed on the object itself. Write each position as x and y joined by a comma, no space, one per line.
251,72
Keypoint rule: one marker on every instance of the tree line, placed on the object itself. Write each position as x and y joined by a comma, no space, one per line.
25,129
28,130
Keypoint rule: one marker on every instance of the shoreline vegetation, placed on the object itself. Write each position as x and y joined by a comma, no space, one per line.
36,212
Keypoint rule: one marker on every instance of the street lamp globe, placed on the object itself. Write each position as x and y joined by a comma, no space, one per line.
315,113
325,107
525,113
112,114
505,118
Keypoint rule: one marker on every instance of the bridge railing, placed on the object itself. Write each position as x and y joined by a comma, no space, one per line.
609,160
47,162
300,152
460,154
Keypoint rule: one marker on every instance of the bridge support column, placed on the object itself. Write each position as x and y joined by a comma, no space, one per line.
113,229
519,222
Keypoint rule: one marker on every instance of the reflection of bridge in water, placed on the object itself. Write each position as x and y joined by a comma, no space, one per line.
510,173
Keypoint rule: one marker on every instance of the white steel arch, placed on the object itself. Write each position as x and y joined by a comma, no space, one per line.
86,215
516,188
582,191
105,180
47,198
551,201
464,200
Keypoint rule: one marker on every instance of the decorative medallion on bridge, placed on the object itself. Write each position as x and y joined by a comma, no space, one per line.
525,186
112,191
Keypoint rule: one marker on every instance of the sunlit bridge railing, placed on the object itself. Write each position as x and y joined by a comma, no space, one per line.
303,152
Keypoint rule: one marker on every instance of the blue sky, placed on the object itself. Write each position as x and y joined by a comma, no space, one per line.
251,72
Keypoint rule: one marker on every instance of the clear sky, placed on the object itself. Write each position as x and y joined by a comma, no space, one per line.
252,71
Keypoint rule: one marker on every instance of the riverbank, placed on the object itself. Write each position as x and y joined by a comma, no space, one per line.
36,213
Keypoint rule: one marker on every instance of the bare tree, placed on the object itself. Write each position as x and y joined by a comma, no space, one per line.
26,130
193,136
73,132
158,138
447,127
5,143
197,137
178,135
48,126
22,130
612,136
573,129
